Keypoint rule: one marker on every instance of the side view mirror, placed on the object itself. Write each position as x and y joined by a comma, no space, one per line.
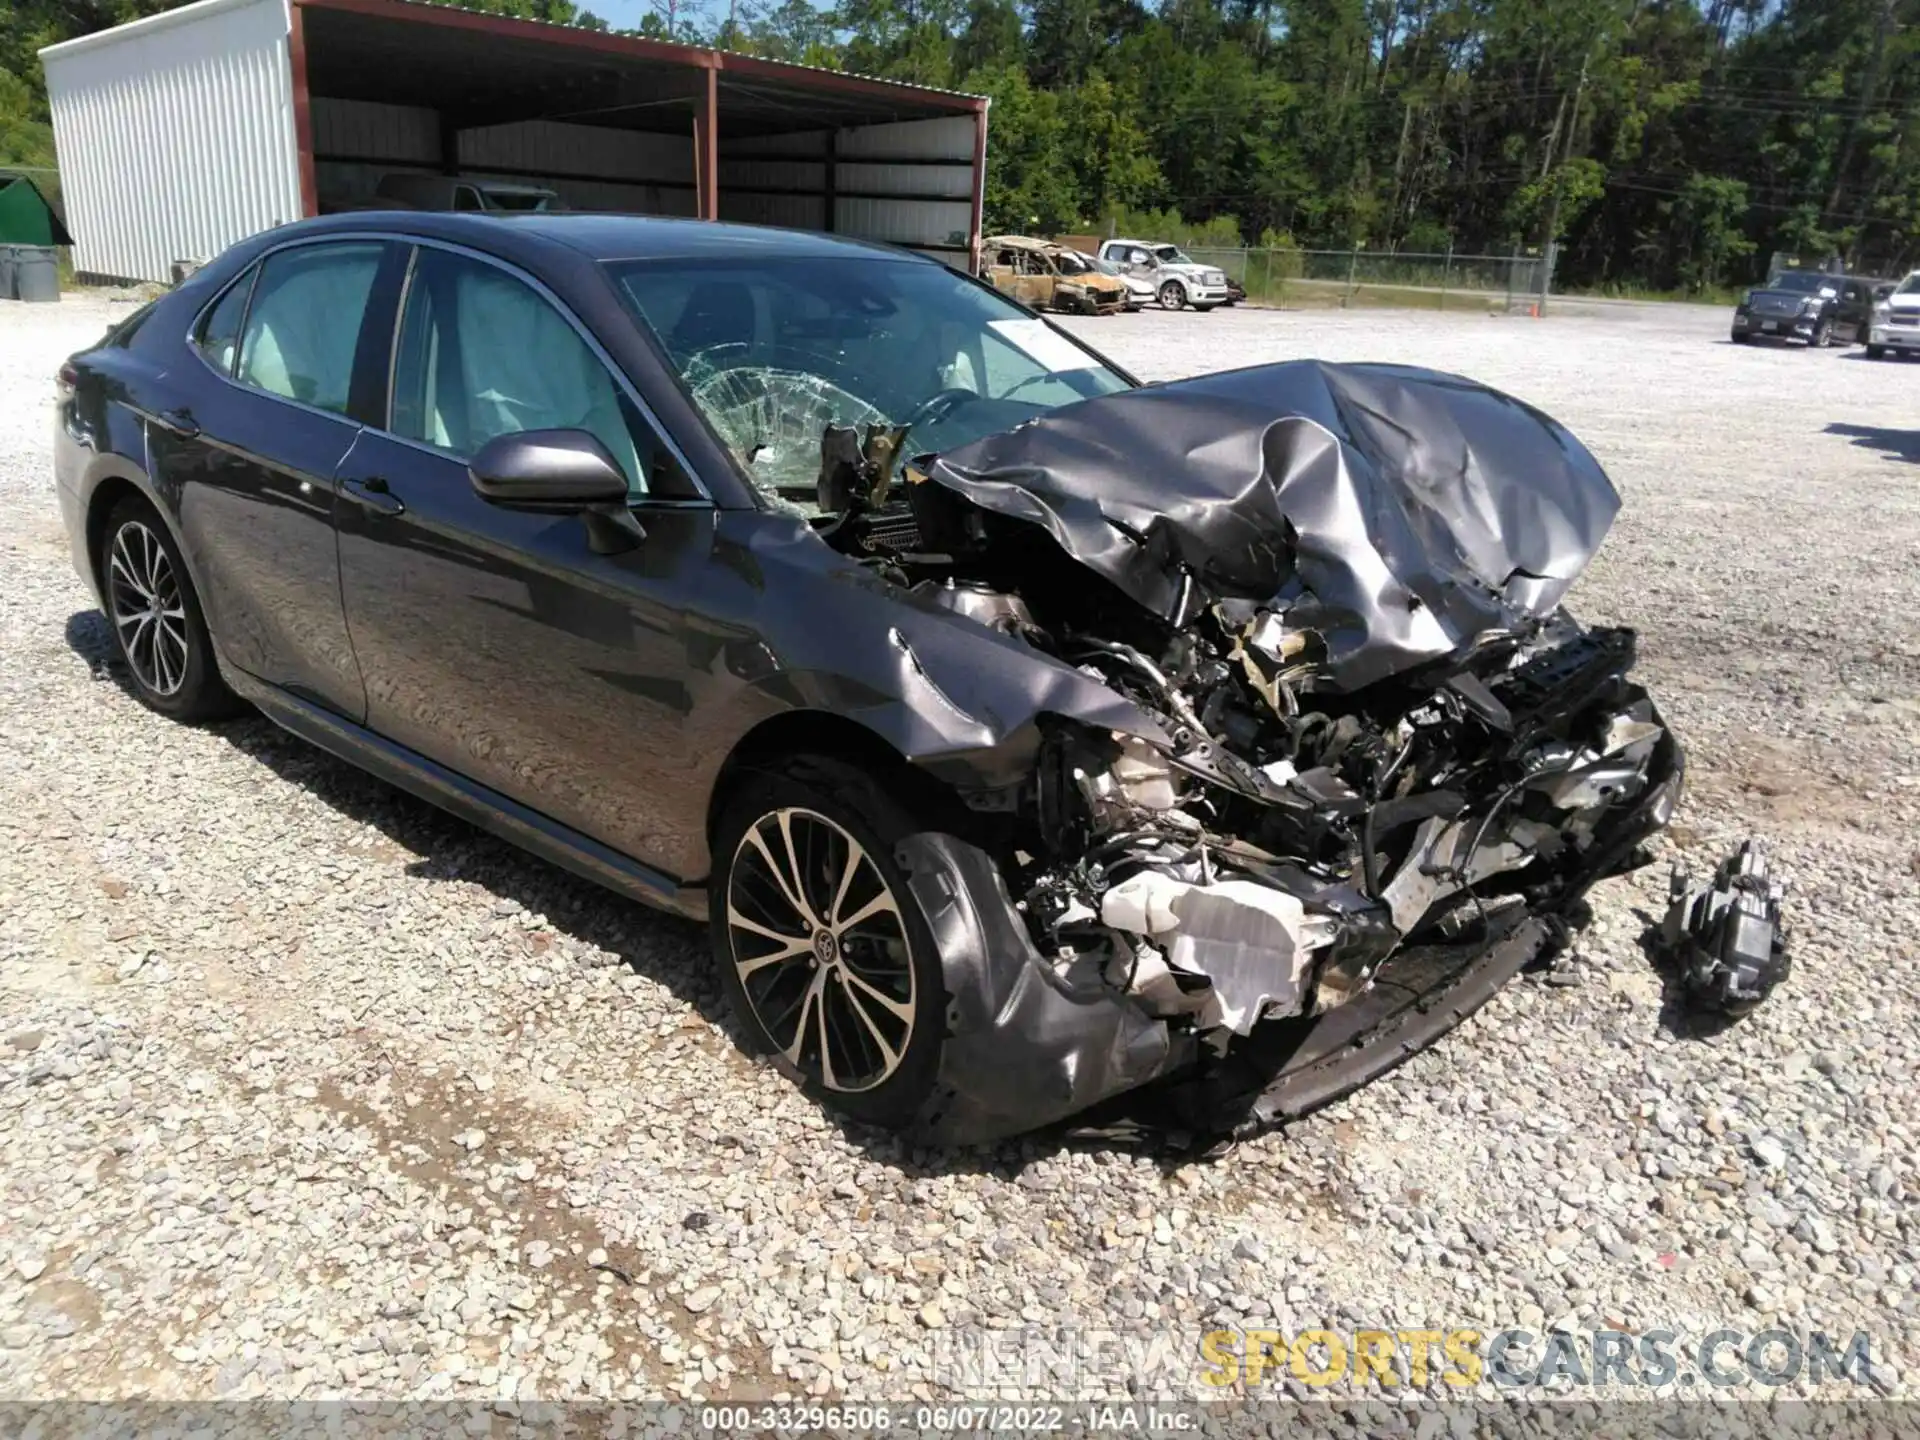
559,472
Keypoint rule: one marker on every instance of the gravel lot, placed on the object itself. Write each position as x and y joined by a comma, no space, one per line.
308,1090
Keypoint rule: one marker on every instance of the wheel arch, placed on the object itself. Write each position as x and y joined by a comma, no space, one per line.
107,493
835,737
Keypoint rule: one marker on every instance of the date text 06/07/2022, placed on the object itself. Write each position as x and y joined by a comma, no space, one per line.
995,1418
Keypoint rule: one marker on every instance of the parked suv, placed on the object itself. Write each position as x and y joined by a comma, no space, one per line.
1895,324
1807,305
1176,279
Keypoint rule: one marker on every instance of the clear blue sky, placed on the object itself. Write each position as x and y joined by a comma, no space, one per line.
621,14
625,14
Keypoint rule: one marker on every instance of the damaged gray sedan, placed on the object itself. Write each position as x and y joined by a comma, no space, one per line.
1037,744
1269,751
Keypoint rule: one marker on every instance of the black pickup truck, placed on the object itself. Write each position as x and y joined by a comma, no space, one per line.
1807,305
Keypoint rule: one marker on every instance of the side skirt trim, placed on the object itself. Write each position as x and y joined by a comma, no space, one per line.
489,809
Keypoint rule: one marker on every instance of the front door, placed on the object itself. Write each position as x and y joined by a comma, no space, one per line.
250,447
496,642
1137,261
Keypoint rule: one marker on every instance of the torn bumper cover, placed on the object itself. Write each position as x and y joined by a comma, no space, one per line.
1382,765
1027,1047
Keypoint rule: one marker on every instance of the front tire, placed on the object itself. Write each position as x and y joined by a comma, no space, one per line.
159,629
1875,352
1822,336
823,951
1173,296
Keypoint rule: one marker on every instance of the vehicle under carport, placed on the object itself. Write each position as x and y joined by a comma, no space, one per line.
187,131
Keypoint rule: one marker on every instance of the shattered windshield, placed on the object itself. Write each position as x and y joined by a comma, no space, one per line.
775,349
1172,255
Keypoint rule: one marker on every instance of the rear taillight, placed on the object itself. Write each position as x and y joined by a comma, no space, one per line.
66,380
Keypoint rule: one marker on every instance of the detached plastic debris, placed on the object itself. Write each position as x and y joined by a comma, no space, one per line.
1727,935
1251,944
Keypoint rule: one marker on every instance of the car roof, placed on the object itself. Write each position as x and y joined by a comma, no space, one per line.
607,237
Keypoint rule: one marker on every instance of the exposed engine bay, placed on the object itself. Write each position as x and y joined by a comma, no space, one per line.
1332,596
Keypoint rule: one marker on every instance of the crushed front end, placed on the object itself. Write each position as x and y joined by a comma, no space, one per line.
1377,766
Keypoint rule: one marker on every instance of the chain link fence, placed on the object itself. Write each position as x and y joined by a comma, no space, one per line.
1438,281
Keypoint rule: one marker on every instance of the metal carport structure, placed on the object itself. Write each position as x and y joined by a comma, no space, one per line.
181,133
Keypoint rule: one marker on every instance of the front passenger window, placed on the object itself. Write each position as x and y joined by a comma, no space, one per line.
483,354
304,324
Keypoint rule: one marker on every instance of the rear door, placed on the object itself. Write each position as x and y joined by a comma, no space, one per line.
269,415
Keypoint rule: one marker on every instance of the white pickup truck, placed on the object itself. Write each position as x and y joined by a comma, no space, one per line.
1177,281
1895,325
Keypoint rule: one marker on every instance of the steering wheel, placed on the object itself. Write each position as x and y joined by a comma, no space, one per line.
1030,380
939,405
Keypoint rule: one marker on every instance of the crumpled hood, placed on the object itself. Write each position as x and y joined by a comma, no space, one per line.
1397,512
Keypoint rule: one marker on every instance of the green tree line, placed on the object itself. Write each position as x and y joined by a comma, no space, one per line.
1671,144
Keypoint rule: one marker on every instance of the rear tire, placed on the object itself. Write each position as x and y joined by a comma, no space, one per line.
1173,296
854,1013
159,629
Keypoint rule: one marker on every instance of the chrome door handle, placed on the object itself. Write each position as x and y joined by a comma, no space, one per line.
374,494
178,422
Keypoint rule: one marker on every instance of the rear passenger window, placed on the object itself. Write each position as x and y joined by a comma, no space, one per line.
220,330
304,325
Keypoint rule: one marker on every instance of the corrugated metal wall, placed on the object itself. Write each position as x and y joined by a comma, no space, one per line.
175,135
355,142
909,182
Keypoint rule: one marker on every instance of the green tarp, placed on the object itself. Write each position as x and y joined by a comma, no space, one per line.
25,216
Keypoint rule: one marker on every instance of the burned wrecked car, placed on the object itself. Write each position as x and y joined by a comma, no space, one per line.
1032,741
1048,276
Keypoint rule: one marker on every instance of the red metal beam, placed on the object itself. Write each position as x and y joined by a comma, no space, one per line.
302,113
979,185
706,147
536,32
808,76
